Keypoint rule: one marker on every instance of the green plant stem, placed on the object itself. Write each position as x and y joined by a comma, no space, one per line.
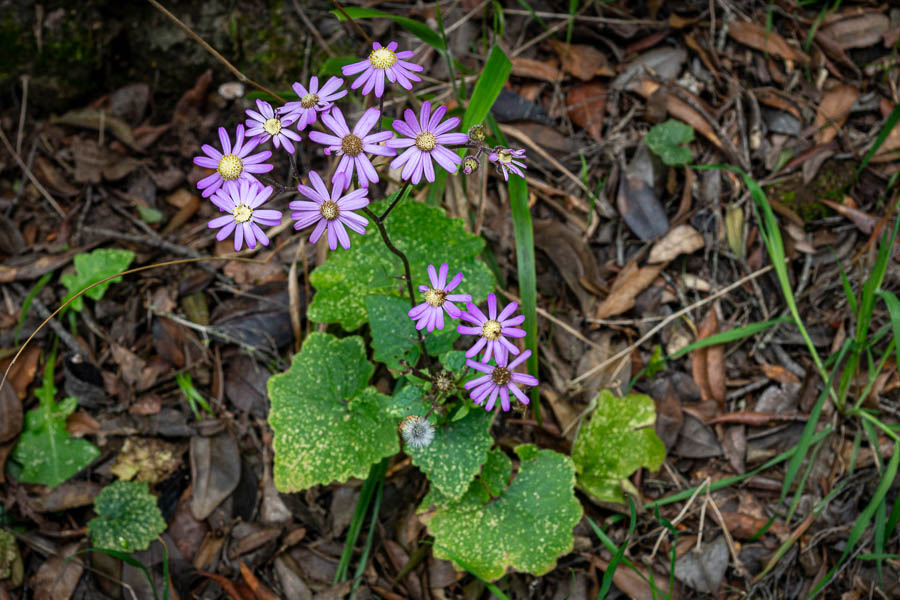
877,423
356,26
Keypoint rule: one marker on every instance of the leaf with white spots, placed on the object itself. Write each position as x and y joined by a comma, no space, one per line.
426,235
94,267
394,336
618,440
45,452
128,518
328,425
459,448
527,527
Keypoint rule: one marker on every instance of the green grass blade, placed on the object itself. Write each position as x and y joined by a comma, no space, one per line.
728,336
130,560
525,261
862,521
889,124
370,538
369,487
417,28
26,304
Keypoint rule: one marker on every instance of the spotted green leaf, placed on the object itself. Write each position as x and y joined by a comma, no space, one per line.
618,440
526,527
94,267
45,452
329,424
668,141
394,333
128,518
426,235
459,448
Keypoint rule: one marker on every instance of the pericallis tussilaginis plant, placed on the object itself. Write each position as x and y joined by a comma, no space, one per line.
330,423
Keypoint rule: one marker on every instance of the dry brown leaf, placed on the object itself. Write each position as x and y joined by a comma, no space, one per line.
22,372
681,110
51,177
586,104
631,281
779,373
755,35
581,60
708,364
775,99
682,239
858,31
635,586
535,69
833,111
863,221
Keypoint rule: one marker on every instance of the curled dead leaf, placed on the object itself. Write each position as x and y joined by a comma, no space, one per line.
755,35
581,60
833,110
586,105
858,31
535,69
631,281
682,239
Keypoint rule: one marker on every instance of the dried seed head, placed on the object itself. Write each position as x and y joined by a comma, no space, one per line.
476,133
443,382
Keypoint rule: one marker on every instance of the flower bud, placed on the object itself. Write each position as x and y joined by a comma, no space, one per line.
470,164
476,133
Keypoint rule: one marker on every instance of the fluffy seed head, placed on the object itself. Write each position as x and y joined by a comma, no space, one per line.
382,58
230,167
242,213
435,297
330,210
501,375
426,141
416,431
351,145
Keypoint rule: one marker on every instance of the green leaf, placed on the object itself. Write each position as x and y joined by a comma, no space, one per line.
333,65
417,28
526,527
394,333
459,448
668,139
425,235
328,425
47,454
94,267
128,518
487,88
525,264
618,440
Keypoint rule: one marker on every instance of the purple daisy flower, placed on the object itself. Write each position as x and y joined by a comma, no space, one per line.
330,211
232,163
423,139
499,380
492,330
383,61
430,314
242,201
506,161
313,100
353,145
267,124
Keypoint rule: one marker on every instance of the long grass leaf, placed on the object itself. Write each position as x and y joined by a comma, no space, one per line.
886,129
369,487
728,336
417,28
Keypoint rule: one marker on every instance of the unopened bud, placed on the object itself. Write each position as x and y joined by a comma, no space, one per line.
470,164
476,133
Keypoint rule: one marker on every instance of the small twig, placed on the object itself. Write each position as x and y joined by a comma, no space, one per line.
237,73
30,175
356,26
21,132
313,29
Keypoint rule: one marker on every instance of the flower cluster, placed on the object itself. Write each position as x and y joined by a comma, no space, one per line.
417,145
492,330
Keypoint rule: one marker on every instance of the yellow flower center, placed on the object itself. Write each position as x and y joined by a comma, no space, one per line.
230,166
382,58
435,297
501,376
242,213
351,145
491,330
272,126
309,100
505,156
426,141
330,210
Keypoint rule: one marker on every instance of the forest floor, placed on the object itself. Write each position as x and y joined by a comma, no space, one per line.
781,442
